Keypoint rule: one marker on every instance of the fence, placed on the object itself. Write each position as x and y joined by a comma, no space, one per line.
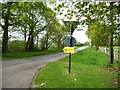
116,52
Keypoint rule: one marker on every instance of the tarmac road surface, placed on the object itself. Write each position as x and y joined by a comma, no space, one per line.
19,73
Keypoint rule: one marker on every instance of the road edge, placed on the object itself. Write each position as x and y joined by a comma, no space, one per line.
33,82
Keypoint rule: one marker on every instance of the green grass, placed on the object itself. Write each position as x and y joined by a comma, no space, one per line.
51,50
9,56
89,70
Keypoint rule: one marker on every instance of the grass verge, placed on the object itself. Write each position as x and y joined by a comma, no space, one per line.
90,69
9,56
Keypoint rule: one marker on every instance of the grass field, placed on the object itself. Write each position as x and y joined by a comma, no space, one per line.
9,56
90,69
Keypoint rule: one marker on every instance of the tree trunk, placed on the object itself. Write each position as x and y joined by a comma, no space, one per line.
111,48
111,34
25,35
43,47
25,40
5,38
31,48
32,43
58,44
37,39
27,43
5,28
46,45
46,42
59,41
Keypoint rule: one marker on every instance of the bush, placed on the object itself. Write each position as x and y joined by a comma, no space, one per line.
16,46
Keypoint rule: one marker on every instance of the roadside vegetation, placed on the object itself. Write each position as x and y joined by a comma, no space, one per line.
9,56
33,26
16,50
92,72
24,28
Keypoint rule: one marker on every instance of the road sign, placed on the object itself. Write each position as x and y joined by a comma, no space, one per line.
68,49
67,41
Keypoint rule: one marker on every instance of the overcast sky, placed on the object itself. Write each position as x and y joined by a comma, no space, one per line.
81,36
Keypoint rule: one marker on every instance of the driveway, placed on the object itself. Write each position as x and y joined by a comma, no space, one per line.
19,73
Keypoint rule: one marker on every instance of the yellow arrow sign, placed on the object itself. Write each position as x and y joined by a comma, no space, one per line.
68,49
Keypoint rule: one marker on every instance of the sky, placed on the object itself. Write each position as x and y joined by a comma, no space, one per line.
80,35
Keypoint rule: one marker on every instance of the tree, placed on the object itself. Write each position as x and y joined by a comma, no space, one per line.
98,34
92,12
59,35
6,17
28,19
31,19
55,34
102,12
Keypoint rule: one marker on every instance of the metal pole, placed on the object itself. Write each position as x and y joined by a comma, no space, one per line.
70,46
69,62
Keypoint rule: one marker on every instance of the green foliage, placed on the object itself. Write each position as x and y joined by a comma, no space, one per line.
13,56
59,35
29,19
85,72
100,12
16,46
98,33
55,34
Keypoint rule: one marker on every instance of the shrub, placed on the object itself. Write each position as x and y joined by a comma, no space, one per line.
16,46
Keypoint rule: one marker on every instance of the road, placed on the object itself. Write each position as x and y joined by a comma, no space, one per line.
19,73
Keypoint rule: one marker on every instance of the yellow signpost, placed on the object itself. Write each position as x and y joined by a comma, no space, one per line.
68,49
